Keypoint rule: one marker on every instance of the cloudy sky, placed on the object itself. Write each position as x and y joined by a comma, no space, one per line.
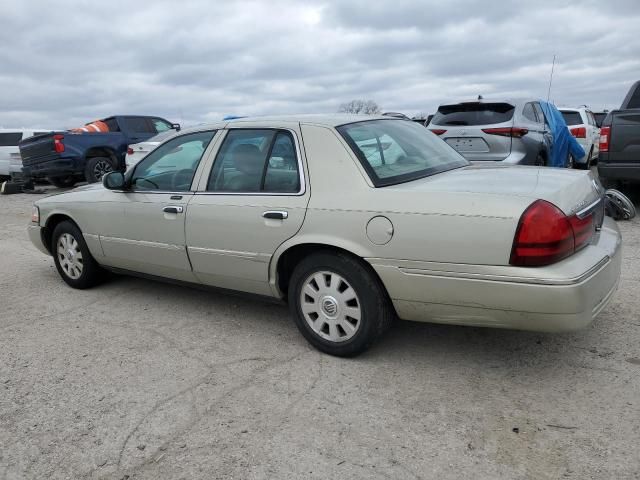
68,62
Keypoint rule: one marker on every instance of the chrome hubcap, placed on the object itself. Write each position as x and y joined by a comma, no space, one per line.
102,167
330,306
70,256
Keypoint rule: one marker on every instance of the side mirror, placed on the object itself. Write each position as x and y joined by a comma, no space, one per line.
113,181
175,126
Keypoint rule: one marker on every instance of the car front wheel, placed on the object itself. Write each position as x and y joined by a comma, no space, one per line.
73,260
338,304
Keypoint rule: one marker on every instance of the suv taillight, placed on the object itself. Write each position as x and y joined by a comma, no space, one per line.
605,135
579,132
437,131
545,235
129,151
58,146
515,132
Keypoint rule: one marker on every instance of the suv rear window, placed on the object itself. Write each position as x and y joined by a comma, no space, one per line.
464,114
10,139
572,118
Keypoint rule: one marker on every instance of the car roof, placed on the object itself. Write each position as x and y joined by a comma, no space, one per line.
328,120
510,100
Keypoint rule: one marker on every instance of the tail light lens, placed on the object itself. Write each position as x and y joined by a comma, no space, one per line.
545,235
437,131
579,132
58,145
129,151
605,135
515,132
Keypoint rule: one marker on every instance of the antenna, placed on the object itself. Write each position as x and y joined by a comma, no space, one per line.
551,77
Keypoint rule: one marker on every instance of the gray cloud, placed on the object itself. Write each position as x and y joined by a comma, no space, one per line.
197,61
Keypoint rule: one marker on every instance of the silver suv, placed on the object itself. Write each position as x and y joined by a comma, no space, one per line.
509,131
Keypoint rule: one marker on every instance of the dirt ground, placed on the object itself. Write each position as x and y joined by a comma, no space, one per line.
143,380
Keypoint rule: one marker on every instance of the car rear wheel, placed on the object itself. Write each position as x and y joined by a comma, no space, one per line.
540,161
98,167
73,260
63,182
338,304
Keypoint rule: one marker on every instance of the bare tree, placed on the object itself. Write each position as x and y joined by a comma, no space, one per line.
367,107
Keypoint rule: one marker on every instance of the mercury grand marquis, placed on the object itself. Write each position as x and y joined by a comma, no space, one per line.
353,221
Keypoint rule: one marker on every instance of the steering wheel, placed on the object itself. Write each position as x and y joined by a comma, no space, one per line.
181,178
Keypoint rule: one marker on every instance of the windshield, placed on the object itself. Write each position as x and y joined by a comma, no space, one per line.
396,151
472,113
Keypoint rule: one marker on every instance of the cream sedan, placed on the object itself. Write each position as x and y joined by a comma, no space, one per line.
354,221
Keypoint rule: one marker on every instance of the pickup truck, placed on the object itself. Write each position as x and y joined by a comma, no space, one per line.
66,157
619,158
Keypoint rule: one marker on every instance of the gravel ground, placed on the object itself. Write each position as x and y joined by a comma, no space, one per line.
143,380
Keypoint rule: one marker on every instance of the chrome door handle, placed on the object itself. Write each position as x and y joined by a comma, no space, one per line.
277,215
172,209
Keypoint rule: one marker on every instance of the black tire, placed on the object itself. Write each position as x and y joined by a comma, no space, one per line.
91,273
377,312
97,167
540,161
587,164
62,182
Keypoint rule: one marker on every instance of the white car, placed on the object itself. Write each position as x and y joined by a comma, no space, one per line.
582,125
9,139
138,151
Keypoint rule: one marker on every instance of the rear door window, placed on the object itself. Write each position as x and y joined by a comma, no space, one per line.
529,112
539,112
572,118
466,114
138,125
10,139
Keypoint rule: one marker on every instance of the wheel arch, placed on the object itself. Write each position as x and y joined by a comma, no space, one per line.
102,152
287,257
53,220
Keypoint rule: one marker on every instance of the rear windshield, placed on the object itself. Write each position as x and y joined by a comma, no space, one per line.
599,118
572,118
473,114
10,139
396,151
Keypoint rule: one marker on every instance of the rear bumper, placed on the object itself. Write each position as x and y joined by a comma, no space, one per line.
626,171
51,168
511,301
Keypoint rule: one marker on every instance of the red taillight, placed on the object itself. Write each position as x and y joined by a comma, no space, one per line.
437,131
605,135
579,132
58,146
129,151
545,235
515,132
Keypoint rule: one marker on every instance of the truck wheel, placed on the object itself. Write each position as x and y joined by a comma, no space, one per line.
97,167
62,182
73,260
338,304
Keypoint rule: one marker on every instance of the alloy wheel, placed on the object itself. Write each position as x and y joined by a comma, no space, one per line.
330,306
70,256
101,168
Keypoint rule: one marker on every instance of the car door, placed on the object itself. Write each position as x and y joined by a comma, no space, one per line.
253,199
143,227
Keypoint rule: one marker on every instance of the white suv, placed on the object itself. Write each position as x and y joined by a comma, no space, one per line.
582,125
10,162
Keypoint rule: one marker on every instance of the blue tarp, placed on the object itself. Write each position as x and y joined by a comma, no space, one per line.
563,141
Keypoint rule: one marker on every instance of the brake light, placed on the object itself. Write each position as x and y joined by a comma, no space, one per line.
515,132
605,135
129,151
58,146
546,235
437,131
579,132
